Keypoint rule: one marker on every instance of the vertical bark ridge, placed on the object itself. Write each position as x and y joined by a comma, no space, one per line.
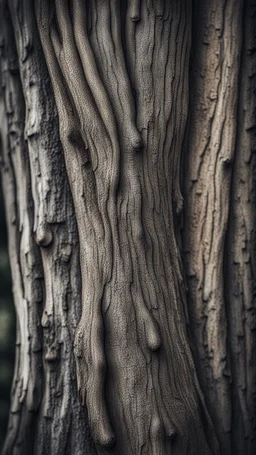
24,254
55,232
240,253
119,72
91,72
105,39
210,150
82,183
133,358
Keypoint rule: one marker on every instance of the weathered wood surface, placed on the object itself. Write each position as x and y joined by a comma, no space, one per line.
100,102
46,415
219,217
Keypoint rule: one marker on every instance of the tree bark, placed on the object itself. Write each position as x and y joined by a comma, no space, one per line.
240,252
97,114
211,146
46,415
219,217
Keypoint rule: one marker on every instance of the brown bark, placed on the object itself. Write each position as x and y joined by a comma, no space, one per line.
94,245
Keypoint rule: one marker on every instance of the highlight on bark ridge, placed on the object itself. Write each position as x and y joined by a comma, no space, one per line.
100,182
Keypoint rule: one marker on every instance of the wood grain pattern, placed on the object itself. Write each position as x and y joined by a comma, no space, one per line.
134,299
131,338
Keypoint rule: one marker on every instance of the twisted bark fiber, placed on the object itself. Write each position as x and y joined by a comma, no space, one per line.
133,359
95,186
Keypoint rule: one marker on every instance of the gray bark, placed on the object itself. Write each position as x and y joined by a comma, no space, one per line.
211,145
46,415
219,217
96,112
240,253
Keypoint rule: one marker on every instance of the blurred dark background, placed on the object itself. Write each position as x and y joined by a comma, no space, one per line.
7,326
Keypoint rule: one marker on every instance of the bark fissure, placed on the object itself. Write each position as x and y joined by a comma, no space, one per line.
96,98
24,255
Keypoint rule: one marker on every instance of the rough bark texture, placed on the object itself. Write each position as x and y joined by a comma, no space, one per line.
46,415
219,218
131,341
210,151
240,252
93,224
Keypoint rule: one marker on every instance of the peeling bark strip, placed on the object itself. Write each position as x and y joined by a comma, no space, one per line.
134,365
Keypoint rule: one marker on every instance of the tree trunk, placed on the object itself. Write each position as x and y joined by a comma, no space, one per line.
100,103
219,217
